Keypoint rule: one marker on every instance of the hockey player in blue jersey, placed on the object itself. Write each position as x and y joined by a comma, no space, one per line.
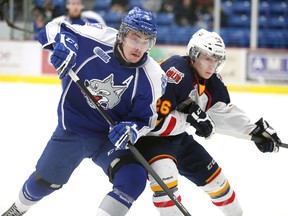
196,96
126,81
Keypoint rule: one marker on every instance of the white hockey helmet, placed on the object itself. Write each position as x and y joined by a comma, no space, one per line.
207,43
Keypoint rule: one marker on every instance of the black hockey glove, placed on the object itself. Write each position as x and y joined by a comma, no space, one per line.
265,137
200,121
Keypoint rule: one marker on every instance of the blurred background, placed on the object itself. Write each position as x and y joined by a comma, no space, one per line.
256,73
176,19
255,33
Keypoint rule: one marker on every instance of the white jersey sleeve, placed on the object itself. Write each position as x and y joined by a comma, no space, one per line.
229,117
158,80
96,31
94,16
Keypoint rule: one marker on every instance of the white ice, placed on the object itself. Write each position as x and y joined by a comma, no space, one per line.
28,118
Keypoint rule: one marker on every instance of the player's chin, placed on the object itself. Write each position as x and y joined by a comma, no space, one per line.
134,58
207,75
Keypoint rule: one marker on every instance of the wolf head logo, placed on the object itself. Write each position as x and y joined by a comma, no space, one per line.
105,92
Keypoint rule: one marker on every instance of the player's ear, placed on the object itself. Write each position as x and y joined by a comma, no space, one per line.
119,39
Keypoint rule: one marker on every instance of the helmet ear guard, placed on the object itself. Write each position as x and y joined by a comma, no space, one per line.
194,52
207,43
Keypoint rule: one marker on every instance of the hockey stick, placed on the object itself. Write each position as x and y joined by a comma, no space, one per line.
132,148
4,7
243,136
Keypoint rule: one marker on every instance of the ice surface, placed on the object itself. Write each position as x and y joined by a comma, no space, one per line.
28,118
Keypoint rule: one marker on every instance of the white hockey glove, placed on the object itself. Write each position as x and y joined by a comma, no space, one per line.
64,53
265,137
200,121
121,133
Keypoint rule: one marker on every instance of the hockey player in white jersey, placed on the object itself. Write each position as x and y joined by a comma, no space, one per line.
196,96
126,81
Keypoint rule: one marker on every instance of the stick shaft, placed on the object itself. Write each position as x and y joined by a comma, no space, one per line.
4,8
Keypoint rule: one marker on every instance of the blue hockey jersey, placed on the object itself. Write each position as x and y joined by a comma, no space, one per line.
126,93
